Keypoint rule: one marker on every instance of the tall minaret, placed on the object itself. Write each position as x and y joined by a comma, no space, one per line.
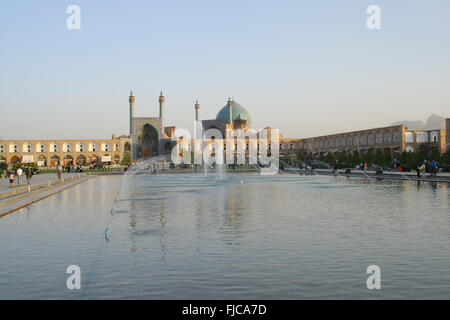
131,101
161,111
230,110
197,107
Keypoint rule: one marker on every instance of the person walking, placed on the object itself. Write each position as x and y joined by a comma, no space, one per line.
423,169
434,168
418,170
19,173
29,174
11,179
58,171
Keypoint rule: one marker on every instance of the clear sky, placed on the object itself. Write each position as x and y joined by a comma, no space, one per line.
306,67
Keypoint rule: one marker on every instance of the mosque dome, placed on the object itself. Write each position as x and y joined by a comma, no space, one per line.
238,112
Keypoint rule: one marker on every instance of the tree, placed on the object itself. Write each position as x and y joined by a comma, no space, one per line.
354,158
380,158
342,157
435,155
410,160
16,165
331,157
126,160
32,165
368,157
445,161
446,157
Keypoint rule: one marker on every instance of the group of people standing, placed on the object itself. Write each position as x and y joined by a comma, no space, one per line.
431,167
363,166
15,176
27,172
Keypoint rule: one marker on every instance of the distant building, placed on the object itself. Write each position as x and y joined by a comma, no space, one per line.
392,140
49,153
447,128
150,137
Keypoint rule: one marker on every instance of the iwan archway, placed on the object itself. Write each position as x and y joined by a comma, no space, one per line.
147,141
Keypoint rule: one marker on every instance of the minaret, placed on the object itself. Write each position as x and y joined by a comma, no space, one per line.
161,111
230,110
447,130
197,107
131,101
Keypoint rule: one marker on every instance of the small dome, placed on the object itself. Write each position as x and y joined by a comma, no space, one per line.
238,112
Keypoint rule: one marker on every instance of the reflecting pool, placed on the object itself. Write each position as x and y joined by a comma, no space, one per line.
246,236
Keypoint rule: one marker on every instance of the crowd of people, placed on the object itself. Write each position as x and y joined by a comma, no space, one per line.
422,168
16,176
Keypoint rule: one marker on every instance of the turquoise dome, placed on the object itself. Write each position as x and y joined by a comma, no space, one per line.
238,112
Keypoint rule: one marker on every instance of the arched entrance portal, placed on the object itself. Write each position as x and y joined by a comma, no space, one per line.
54,161
68,160
42,161
93,159
81,160
14,159
147,142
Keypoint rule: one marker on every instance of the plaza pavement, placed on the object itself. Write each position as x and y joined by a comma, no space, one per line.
13,202
35,180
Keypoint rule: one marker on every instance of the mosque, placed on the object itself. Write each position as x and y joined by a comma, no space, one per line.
150,136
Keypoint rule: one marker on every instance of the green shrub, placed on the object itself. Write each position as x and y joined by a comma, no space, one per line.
126,160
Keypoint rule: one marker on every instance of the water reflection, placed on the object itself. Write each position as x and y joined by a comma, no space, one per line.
185,236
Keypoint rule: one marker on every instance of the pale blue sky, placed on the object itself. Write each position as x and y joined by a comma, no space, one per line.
306,67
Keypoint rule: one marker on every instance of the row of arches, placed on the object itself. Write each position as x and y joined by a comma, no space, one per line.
355,140
65,147
54,160
288,145
244,144
422,137
389,151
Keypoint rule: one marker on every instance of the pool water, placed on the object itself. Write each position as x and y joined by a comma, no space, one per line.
246,236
